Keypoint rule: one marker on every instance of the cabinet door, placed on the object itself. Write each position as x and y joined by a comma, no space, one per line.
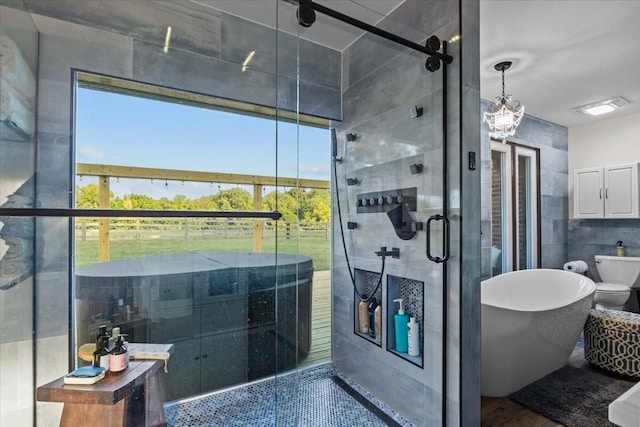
223,360
588,201
621,191
183,379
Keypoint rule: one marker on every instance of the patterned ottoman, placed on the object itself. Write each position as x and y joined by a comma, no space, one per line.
612,341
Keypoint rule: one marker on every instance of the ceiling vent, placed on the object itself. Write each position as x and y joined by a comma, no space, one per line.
601,107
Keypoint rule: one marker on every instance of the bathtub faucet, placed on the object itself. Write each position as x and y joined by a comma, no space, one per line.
393,253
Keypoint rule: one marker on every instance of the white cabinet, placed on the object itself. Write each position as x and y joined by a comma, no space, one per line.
606,192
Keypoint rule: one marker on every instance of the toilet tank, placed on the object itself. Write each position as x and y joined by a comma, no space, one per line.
618,269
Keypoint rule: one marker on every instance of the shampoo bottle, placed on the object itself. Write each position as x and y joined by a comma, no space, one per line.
363,316
413,334
401,321
118,357
101,355
373,328
378,317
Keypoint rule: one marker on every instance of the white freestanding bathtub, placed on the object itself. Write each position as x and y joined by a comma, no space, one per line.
531,321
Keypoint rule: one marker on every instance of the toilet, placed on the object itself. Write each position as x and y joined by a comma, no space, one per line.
618,275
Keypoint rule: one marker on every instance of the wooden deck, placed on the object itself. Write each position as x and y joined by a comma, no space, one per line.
320,320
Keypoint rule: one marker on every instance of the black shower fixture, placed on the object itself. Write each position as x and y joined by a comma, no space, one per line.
305,14
353,181
432,64
416,168
415,112
352,137
306,17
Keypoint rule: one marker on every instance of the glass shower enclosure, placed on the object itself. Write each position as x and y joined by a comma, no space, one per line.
192,229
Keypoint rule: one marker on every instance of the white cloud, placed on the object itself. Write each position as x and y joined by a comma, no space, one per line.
92,154
317,171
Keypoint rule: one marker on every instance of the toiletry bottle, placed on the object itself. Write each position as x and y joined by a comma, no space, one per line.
401,320
413,334
378,317
619,248
115,332
363,316
101,355
118,357
372,318
102,332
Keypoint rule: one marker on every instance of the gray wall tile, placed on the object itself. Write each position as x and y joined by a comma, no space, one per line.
551,140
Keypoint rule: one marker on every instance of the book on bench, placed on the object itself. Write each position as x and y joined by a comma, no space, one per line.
85,375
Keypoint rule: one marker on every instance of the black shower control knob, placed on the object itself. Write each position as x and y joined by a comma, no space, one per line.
372,201
381,200
399,198
359,203
391,200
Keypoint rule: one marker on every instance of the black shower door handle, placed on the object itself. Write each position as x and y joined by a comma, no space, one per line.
445,239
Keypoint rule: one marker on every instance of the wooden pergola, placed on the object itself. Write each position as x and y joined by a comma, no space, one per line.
106,172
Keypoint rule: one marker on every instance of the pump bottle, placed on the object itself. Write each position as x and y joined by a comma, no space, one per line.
373,328
401,319
118,357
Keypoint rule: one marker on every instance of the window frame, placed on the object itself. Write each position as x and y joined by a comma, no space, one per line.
510,202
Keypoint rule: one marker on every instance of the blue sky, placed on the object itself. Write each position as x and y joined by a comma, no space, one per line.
131,131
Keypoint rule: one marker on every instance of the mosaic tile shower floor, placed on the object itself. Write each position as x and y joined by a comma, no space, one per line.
313,397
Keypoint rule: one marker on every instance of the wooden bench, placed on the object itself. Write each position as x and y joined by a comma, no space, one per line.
133,397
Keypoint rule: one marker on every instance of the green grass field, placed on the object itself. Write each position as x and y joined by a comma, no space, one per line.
312,244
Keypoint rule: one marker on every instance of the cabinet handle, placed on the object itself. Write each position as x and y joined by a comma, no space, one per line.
204,356
606,193
196,358
601,192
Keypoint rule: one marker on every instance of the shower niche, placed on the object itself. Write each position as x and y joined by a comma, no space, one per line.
411,292
368,322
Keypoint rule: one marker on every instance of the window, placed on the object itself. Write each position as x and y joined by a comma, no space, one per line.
514,208
202,268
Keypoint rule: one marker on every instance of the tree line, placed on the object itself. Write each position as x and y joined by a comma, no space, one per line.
295,204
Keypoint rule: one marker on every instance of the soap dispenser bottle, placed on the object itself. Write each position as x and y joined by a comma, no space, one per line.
619,248
413,334
401,320
373,328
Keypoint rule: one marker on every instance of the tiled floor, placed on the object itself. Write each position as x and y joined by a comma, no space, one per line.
319,396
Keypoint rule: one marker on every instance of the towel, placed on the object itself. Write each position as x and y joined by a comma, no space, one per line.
139,351
15,69
13,111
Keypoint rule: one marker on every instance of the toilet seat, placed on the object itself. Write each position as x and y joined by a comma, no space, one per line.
611,288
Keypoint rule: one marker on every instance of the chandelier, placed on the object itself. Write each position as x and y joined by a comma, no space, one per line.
505,114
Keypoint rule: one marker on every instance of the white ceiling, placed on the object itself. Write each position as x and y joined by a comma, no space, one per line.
325,31
565,53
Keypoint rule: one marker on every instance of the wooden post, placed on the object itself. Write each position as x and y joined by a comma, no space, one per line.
258,224
103,223
83,225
